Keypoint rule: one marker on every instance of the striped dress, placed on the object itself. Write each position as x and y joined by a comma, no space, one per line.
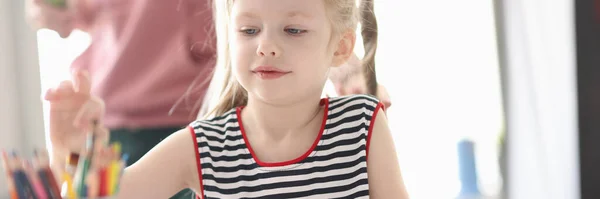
334,167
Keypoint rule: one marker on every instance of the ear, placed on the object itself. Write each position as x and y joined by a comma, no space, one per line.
344,49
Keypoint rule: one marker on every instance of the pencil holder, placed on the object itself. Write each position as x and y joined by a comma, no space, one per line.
80,182
33,178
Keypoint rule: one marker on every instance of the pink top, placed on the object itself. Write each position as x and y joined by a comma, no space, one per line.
145,55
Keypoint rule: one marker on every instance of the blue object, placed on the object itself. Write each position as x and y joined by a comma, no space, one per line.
19,186
125,157
84,191
467,168
26,185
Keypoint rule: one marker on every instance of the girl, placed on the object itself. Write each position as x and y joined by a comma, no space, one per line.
272,136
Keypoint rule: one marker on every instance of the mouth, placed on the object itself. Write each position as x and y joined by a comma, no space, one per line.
268,72
268,69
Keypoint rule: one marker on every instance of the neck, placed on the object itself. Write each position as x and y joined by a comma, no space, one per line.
280,120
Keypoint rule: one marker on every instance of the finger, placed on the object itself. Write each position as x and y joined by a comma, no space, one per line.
387,104
62,90
50,95
99,155
383,96
65,88
356,85
339,89
93,184
82,81
92,110
82,118
101,142
64,98
102,136
105,157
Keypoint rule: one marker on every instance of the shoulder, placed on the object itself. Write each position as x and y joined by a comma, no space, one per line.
368,102
219,124
359,97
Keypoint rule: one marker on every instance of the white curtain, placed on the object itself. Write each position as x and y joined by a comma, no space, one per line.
21,118
541,107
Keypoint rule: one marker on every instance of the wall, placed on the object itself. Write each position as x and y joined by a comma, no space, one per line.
21,118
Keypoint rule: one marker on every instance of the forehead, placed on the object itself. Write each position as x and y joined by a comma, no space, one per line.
265,9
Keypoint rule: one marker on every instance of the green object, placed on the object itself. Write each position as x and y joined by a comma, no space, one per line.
81,187
57,3
86,163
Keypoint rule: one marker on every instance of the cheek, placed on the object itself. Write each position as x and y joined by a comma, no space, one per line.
315,55
324,50
239,71
317,66
241,53
316,49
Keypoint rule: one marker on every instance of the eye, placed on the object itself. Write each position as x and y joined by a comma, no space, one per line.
249,31
295,31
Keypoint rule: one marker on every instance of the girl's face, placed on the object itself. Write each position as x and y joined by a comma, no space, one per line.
280,49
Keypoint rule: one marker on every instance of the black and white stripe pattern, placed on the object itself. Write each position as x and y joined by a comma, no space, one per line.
336,168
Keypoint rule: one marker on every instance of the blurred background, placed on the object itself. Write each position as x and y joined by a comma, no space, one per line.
495,76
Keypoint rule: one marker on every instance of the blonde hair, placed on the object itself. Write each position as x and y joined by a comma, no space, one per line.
225,93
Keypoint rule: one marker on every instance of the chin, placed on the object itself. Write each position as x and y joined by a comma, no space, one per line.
276,98
283,98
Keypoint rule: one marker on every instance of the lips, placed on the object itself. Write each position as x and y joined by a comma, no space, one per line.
269,72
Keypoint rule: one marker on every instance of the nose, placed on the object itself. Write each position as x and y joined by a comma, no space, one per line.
272,53
268,49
